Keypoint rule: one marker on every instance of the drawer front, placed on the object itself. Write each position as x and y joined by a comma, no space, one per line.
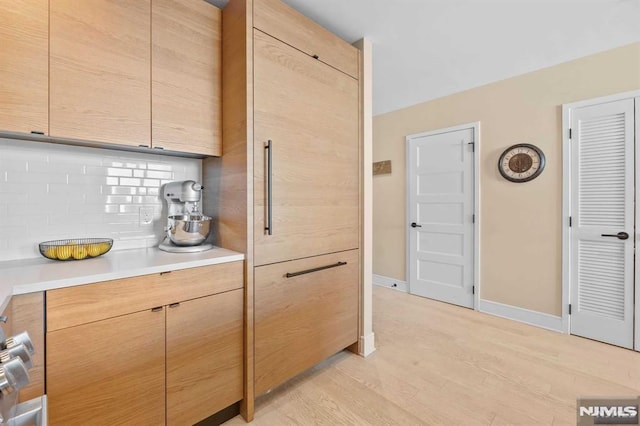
277,19
72,306
301,320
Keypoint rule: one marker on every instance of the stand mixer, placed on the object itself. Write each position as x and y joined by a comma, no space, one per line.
187,228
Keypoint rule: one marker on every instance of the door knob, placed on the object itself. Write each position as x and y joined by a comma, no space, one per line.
415,225
619,235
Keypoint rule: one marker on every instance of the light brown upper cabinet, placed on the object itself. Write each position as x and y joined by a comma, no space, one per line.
186,86
307,196
100,60
288,25
24,55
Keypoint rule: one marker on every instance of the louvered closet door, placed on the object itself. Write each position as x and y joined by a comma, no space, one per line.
602,206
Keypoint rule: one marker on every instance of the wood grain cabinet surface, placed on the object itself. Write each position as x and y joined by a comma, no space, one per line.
309,112
303,319
186,76
276,18
24,73
100,79
179,362
108,372
204,356
289,81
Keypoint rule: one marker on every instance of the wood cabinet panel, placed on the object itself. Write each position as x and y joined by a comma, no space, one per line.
186,86
281,21
24,58
108,372
204,357
67,307
100,70
302,320
310,113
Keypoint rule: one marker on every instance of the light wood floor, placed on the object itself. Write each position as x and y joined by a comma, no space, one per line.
440,364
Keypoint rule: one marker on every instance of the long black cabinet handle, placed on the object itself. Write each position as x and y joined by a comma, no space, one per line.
619,235
269,149
308,271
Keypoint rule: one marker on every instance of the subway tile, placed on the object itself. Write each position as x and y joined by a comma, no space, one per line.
112,171
142,191
57,168
130,208
34,189
96,170
130,181
118,199
122,190
14,165
124,218
27,177
111,208
159,166
151,182
112,181
138,173
151,191
159,175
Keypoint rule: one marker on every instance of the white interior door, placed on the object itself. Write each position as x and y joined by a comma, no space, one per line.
602,211
441,197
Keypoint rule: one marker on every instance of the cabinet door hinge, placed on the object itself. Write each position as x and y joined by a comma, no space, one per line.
473,218
570,133
569,308
570,222
473,289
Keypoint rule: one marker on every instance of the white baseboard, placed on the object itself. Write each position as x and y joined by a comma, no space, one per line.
392,283
538,319
367,343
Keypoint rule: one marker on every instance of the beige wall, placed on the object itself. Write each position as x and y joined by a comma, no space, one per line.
520,242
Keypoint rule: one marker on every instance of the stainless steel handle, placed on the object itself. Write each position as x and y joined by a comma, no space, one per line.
269,149
619,235
308,271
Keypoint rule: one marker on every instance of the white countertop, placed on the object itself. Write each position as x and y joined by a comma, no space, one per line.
32,275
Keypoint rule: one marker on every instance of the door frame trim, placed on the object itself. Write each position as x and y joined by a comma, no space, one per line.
566,204
476,201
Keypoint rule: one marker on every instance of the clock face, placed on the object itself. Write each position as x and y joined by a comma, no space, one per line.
521,163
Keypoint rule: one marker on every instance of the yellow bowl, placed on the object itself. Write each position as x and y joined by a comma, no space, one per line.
77,249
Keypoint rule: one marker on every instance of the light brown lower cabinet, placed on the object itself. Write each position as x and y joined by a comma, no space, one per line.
305,311
174,364
109,372
204,356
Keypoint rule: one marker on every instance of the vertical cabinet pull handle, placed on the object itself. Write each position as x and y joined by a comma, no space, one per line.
269,149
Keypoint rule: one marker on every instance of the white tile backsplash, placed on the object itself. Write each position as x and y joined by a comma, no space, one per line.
50,192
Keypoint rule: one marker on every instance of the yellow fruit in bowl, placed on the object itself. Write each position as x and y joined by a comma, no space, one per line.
79,252
94,250
104,247
51,253
63,252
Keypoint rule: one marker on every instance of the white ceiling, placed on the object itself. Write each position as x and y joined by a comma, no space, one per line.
426,49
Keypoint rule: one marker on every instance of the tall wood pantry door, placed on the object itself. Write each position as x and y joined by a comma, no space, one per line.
309,113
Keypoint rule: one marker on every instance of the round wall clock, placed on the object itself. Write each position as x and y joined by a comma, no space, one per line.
521,163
